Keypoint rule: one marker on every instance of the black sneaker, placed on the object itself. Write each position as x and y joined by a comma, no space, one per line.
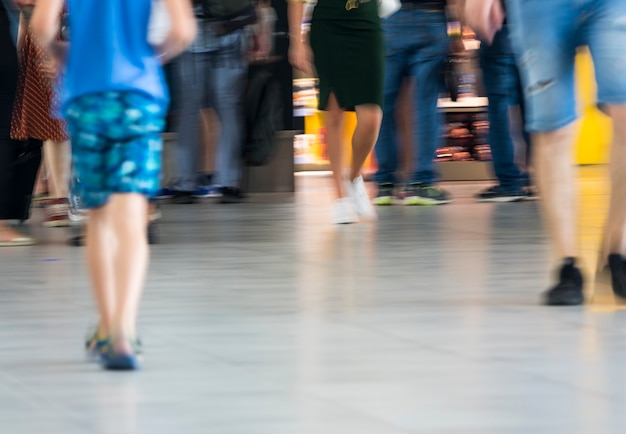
569,290
418,193
384,196
499,194
617,263
231,195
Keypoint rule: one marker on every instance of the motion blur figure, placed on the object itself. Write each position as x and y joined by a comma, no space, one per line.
545,37
114,100
346,47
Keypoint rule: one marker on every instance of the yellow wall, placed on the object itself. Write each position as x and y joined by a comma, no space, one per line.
595,135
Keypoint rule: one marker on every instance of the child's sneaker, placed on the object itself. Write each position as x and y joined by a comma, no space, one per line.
113,360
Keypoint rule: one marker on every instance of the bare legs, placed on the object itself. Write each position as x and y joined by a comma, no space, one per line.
556,181
117,256
57,159
615,232
369,118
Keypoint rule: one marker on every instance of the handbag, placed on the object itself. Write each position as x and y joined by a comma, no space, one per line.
386,8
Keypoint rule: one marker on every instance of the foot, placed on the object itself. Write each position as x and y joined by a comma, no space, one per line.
207,191
9,238
95,346
419,193
343,212
385,196
360,199
617,264
57,213
499,194
120,355
232,195
569,290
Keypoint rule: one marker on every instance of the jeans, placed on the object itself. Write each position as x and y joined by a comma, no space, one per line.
212,79
504,90
416,45
545,36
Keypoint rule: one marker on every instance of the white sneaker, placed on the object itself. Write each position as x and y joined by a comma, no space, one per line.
360,199
343,212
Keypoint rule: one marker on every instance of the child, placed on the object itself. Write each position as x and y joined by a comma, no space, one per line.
114,100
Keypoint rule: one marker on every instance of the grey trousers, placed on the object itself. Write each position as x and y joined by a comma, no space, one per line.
214,79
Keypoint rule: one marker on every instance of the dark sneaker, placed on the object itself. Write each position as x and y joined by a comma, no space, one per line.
499,194
231,195
385,195
418,193
530,193
617,263
569,290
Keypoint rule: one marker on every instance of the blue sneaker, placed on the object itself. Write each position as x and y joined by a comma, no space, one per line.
207,191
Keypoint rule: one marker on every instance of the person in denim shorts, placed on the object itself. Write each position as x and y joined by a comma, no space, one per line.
114,99
546,36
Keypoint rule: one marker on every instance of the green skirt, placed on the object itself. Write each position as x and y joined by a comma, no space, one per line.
350,63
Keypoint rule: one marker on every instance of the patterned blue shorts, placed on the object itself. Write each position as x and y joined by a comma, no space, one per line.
116,145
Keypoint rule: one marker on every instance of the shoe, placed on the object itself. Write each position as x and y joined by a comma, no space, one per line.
57,213
499,194
418,193
530,193
385,196
95,346
617,264
112,360
360,199
182,197
76,212
569,290
207,191
165,193
231,195
343,212
9,238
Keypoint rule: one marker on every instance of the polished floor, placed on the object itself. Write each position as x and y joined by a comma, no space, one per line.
262,318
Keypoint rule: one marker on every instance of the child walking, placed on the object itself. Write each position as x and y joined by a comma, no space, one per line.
114,100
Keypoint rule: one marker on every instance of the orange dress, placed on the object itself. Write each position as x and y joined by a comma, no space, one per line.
35,101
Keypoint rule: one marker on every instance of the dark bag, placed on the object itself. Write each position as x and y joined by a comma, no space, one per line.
264,116
227,16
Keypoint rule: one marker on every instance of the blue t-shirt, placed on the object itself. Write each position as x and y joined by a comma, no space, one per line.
109,50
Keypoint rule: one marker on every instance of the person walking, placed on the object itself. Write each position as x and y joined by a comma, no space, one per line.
346,46
114,99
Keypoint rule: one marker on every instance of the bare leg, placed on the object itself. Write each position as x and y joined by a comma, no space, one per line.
100,249
556,181
57,158
129,216
364,138
615,233
334,137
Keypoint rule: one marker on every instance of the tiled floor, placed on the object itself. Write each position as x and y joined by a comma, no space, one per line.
262,318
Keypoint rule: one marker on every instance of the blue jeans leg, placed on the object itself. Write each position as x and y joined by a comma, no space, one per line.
386,148
426,64
502,84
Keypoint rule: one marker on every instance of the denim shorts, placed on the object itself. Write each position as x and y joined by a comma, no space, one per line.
546,36
116,145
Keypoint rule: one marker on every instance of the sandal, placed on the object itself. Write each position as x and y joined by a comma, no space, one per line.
10,238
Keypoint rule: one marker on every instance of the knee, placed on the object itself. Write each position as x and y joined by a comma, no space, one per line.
370,118
334,119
